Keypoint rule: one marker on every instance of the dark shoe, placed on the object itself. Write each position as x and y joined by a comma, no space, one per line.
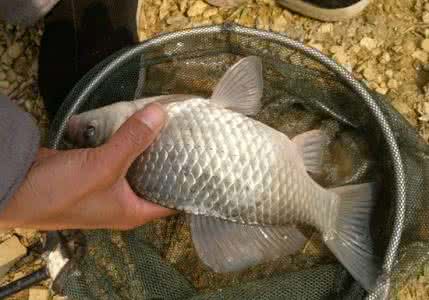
326,10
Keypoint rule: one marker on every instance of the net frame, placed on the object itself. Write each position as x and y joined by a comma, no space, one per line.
103,70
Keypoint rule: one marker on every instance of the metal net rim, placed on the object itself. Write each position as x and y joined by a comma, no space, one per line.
85,86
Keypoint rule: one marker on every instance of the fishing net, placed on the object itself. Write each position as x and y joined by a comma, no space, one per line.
303,90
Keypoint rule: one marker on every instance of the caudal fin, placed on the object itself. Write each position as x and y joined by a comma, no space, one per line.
350,240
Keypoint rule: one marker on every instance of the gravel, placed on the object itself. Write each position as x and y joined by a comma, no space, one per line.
388,46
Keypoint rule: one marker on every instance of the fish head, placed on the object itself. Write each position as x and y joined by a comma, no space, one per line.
89,129
94,127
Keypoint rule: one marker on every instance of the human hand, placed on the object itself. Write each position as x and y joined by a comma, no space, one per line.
87,188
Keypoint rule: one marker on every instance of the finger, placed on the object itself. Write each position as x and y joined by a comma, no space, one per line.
139,210
45,152
120,208
135,135
148,211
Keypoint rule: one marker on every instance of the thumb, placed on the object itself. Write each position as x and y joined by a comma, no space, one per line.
135,135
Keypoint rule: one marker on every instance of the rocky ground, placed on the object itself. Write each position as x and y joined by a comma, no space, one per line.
388,47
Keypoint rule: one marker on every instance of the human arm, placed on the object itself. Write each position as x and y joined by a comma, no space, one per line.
83,188
24,12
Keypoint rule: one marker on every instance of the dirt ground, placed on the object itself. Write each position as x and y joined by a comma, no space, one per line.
387,46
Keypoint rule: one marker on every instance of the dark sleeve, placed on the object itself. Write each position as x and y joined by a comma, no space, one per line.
24,12
19,142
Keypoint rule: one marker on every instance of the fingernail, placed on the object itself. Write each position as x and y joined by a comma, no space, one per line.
153,115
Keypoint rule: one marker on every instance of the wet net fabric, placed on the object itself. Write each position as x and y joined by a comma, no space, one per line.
303,90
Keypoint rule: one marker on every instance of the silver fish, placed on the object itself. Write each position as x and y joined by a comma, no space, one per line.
244,184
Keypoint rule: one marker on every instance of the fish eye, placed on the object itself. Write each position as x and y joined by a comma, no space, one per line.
89,132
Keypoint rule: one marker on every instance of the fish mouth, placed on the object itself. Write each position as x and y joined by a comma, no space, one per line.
72,131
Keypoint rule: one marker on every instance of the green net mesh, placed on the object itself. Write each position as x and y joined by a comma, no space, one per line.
303,90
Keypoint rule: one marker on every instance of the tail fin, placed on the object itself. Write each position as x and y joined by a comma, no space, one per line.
350,240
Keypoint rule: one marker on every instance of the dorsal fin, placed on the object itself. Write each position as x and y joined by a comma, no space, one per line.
241,87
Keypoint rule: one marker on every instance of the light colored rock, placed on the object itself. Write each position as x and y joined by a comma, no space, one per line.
15,50
368,43
425,17
335,49
268,2
263,19
392,84
4,231
342,58
424,118
183,6
426,108
385,58
177,20
5,234
369,73
376,52
197,8
425,45
58,297
317,46
426,90
199,21
247,18
389,73
326,28
38,293
421,56
10,252
164,9
348,67
279,24
11,76
18,275
6,59
409,46
397,48
217,19
355,49
35,66
27,234
210,12
4,84
28,107
401,107
382,90
20,65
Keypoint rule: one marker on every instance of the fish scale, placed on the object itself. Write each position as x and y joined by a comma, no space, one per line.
236,174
